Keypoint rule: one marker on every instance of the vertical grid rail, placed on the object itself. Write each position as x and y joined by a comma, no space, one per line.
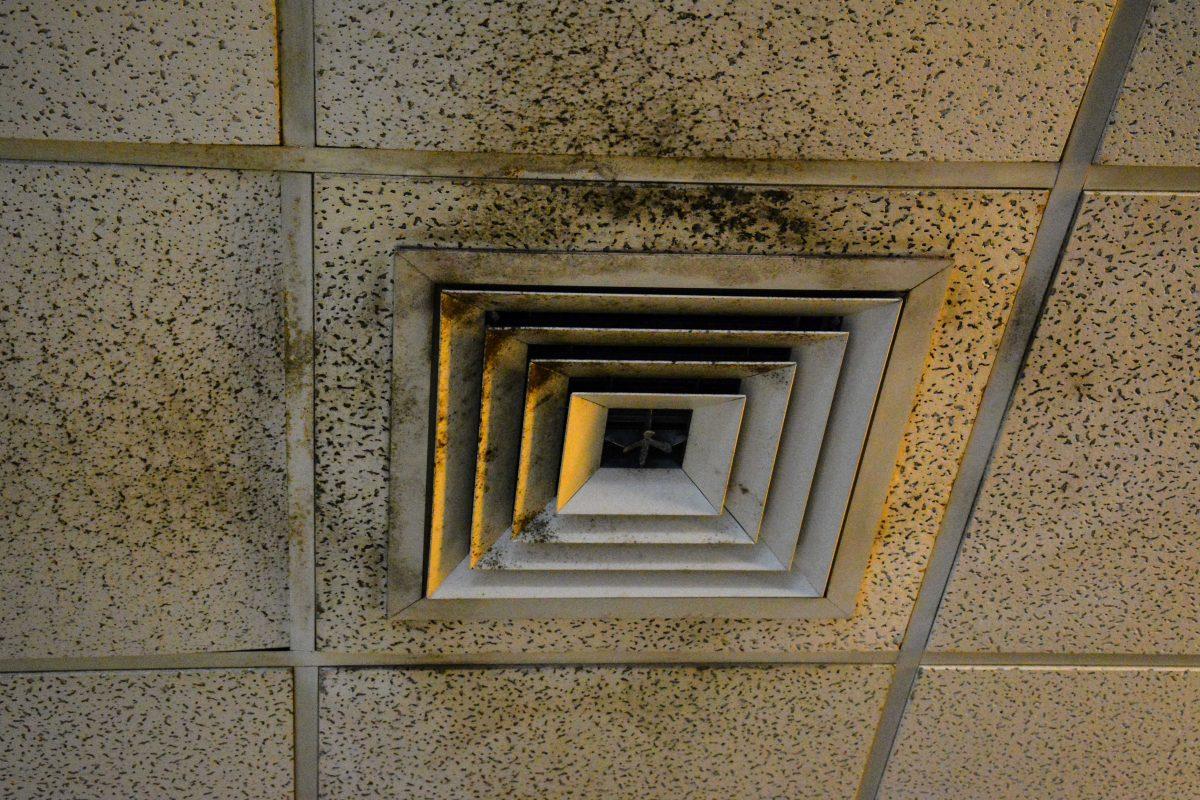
297,108
296,190
297,74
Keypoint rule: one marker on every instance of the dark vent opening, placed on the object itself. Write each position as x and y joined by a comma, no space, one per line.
656,385
641,353
714,322
645,438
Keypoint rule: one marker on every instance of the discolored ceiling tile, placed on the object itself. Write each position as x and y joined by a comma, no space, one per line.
1085,534
141,428
640,733
359,222
1068,734
119,70
868,79
1156,120
171,734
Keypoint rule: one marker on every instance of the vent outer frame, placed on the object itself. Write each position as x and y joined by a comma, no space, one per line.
420,273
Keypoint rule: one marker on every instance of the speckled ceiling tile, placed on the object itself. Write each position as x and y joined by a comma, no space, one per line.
1157,116
872,79
1054,734
122,70
644,733
359,222
172,735
1086,537
141,422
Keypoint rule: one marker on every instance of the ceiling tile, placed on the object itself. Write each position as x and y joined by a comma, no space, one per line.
1085,534
202,71
634,732
1070,734
868,79
184,735
141,438
1157,116
361,220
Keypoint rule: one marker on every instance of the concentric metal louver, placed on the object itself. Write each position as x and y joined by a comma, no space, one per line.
767,387
787,397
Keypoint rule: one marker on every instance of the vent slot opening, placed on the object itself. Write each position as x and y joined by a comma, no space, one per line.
646,353
711,322
617,383
645,438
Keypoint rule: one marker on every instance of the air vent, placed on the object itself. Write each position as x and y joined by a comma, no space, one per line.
561,447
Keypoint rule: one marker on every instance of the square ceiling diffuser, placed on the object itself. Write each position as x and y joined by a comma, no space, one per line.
672,447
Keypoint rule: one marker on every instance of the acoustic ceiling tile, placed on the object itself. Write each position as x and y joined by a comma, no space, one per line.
1065,733
1084,537
1156,120
184,735
142,490
624,733
201,71
868,79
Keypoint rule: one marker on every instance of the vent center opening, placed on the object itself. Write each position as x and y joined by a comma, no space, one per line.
645,438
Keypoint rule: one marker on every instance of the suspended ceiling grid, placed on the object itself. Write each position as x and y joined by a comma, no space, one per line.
194,473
